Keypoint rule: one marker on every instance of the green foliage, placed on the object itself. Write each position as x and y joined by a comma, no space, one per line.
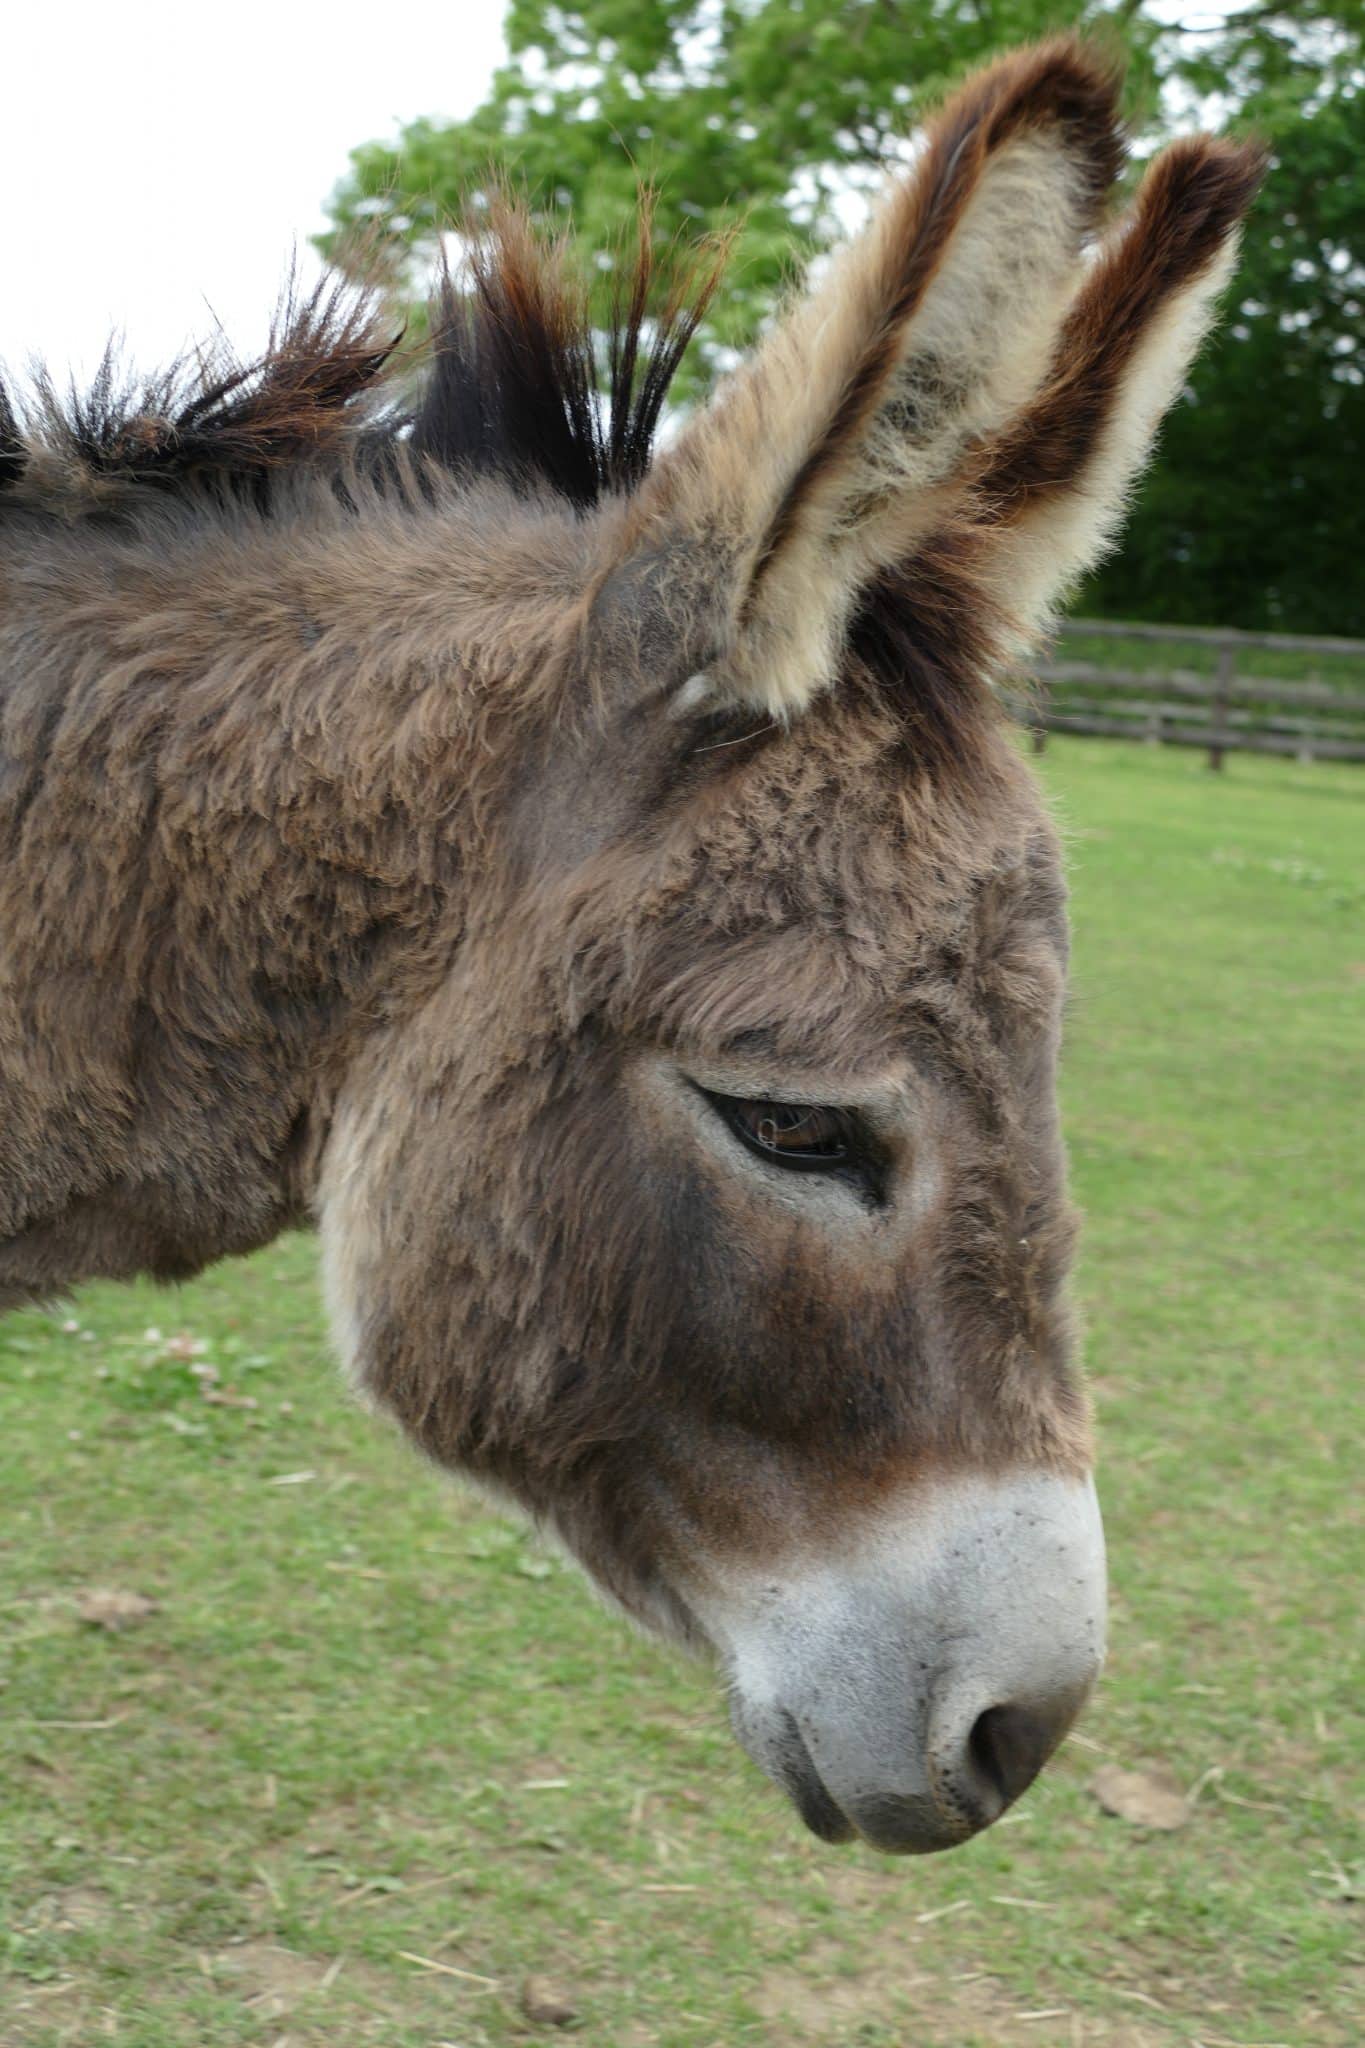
773,116
763,118
1252,516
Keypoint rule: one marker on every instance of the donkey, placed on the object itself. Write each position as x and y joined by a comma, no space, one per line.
592,881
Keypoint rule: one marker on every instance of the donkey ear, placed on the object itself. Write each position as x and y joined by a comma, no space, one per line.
1053,486
840,443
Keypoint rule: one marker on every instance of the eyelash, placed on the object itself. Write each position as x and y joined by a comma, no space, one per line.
806,1137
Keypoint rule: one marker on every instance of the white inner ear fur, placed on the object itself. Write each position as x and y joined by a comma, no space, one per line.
691,695
979,345
1035,562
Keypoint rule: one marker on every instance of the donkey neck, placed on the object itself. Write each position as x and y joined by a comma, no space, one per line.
246,766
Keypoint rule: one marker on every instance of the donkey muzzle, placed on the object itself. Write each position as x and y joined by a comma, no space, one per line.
908,1687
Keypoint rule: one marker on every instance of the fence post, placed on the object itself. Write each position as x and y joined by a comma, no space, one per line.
1041,699
1222,691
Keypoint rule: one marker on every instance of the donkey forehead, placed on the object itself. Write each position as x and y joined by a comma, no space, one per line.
834,821
857,982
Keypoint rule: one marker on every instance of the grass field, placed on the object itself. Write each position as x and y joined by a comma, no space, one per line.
373,1760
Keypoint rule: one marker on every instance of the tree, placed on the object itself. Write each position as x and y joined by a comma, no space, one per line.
777,115
1252,515
764,117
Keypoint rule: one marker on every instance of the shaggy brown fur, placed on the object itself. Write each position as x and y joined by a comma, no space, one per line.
370,848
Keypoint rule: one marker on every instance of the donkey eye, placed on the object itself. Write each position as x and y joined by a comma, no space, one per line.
797,1133
807,1137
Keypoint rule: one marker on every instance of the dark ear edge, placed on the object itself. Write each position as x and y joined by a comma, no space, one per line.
1061,85
1190,202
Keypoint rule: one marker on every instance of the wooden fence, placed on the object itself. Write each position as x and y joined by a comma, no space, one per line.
1224,710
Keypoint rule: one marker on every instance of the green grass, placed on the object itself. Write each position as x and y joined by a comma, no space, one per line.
368,1722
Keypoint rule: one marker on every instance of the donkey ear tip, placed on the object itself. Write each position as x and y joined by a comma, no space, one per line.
1066,77
1215,154
1207,182
1093,66
1247,156
1070,85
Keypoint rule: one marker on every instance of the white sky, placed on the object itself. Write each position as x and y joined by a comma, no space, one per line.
160,163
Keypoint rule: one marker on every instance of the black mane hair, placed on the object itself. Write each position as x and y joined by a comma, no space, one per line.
513,381
210,418
516,365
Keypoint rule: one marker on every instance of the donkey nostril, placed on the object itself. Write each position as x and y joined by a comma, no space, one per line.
1007,1747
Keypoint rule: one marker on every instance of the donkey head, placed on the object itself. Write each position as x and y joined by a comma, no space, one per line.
714,1208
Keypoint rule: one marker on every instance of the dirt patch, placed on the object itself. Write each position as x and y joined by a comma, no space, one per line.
1144,1798
839,1994
68,1911
272,1981
823,2003
276,1982
113,1607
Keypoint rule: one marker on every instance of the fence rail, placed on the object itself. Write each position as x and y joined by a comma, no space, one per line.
1225,711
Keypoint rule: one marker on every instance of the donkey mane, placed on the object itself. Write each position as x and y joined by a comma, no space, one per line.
513,380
